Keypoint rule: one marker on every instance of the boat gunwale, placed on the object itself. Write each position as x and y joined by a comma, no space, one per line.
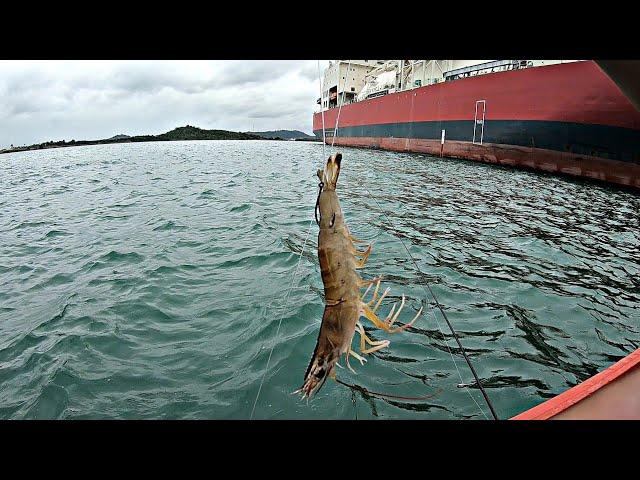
565,400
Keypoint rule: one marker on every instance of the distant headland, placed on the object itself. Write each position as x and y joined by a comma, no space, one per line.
181,133
285,135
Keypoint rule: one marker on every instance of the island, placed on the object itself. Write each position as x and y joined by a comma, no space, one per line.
187,132
296,135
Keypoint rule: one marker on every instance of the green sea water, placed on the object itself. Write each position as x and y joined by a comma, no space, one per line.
152,281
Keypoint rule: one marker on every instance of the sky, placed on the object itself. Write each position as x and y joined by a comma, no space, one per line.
88,100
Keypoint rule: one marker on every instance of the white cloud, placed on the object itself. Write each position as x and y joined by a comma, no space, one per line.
54,100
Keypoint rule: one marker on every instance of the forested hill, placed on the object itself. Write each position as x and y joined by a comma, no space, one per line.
284,134
181,133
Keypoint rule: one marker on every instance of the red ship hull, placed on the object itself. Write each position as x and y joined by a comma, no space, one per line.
567,118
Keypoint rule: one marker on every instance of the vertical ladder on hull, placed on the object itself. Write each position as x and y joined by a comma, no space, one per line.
478,122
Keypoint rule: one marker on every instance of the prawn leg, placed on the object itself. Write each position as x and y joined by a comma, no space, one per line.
377,345
358,253
355,240
365,255
361,359
375,292
387,322
347,361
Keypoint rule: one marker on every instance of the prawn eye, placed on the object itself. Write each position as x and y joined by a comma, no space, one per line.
320,373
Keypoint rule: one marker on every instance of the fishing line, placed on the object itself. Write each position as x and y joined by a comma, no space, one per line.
411,256
286,299
455,335
335,130
431,310
295,273
455,364
335,134
324,139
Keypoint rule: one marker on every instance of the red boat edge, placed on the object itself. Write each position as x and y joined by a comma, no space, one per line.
613,394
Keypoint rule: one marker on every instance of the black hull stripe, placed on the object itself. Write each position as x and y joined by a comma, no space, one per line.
603,141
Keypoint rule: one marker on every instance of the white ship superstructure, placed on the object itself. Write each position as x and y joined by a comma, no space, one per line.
349,81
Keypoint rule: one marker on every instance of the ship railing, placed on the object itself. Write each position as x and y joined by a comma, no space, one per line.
487,67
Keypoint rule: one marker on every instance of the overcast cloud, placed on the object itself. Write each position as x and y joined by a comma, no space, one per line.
87,100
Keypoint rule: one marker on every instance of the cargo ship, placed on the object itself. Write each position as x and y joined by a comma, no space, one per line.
561,116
